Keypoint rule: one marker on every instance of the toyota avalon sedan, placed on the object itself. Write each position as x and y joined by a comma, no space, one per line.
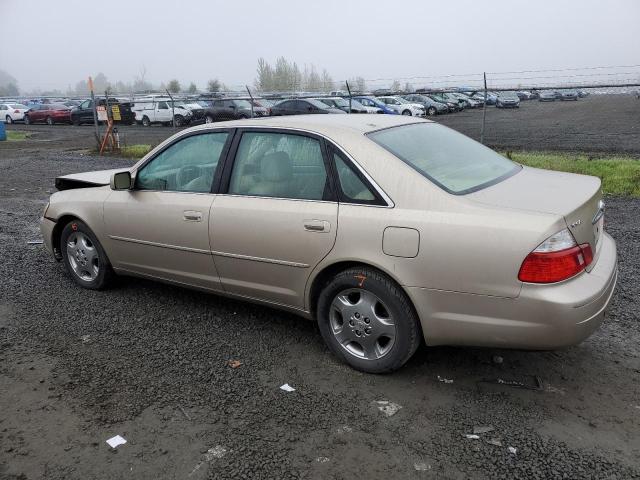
386,230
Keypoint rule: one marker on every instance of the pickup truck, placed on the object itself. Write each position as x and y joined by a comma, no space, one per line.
158,110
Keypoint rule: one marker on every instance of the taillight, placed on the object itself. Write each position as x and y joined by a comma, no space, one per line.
557,258
17,111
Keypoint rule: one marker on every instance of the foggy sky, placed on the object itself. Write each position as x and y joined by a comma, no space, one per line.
53,44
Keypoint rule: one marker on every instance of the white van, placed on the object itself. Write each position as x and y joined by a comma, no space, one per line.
156,109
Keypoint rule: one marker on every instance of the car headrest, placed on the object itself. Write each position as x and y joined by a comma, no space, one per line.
276,167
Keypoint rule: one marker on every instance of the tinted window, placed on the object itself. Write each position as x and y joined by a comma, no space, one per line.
351,185
279,165
186,166
451,160
163,106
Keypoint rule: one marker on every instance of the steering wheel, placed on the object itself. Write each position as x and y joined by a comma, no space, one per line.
187,174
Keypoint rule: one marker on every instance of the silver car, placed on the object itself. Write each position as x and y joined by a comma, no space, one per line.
386,230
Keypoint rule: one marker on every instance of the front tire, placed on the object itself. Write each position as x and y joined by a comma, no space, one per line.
431,111
84,257
26,120
179,120
208,119
367,320
49,121
407,112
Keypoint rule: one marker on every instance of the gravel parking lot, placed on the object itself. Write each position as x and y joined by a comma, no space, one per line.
150,362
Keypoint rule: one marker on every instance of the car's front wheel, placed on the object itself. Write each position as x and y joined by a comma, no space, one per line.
84,257
407,112
49,121
208,119
26,120
368,321
431,111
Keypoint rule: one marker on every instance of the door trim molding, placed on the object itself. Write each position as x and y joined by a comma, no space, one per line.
261,259
161,245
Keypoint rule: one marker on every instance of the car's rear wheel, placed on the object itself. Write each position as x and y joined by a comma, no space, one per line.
145,121
84,257
368,321
49,121
9,119
26,120
431,111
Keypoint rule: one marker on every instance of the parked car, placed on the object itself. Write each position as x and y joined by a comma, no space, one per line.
232,109
547,96
302,106
507,100
155,109
343,104
535,94
491,97
49,113
568,95
523,95
403,107
582,93
83,113
197,110
466,100
12,112
373,102
471,249
452,104
431,107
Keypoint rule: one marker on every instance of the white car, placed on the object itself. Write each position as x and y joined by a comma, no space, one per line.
403,107
150,110
12,112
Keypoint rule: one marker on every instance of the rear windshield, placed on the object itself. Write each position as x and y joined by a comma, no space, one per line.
449,159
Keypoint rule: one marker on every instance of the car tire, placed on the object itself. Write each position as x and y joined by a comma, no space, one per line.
26,120
76,121
84,257
145,121
382,332
407,112
431,111
178,120
208,119
9,119
49,121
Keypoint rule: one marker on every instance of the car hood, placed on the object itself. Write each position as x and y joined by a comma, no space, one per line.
577,198
86,179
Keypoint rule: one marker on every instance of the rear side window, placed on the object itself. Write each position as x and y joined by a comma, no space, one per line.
352,187
449,159
279,165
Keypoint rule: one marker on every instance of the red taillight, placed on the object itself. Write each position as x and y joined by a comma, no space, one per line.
17,111
550,267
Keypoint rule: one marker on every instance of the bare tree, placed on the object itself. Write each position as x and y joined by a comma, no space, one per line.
213,85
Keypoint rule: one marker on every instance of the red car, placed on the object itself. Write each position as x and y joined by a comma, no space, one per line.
49,113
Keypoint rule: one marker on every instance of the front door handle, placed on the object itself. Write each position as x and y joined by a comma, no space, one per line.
192,216
317,226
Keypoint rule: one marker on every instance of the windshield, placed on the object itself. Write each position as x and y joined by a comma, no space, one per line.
449,159
318,103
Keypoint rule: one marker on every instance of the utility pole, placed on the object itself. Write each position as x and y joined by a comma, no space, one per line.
348,90
173,111
95,113
251,97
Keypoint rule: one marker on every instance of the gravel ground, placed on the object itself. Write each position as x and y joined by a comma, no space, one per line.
150,362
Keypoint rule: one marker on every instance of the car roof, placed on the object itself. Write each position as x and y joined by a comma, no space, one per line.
328,125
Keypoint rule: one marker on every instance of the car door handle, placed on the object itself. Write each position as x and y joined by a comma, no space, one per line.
317,226
192,216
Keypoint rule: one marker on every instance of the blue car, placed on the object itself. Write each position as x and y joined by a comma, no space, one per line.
374,102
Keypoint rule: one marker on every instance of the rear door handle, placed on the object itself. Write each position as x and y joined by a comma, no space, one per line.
317,226
192,216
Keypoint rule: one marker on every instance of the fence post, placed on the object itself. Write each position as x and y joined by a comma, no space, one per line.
251,97
95,113
484,109
173,110
348,90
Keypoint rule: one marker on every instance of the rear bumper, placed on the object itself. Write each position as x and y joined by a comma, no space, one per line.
542,317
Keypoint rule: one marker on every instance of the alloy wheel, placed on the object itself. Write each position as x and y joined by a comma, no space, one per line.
362,324
83,256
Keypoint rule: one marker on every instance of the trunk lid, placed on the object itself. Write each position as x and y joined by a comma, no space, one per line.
86,179
577,198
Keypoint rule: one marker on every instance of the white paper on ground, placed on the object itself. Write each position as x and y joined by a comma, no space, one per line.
115,441
287,388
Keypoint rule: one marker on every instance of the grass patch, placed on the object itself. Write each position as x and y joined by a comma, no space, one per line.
135,151
13,136
619,175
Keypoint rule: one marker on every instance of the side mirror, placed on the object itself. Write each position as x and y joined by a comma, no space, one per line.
121,181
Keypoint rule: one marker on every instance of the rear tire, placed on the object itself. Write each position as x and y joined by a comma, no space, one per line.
9,119
145,121
84,257
407,112
26,120
431,111
368,321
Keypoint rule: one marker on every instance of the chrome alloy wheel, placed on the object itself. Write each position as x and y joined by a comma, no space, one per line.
83,256
362,324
